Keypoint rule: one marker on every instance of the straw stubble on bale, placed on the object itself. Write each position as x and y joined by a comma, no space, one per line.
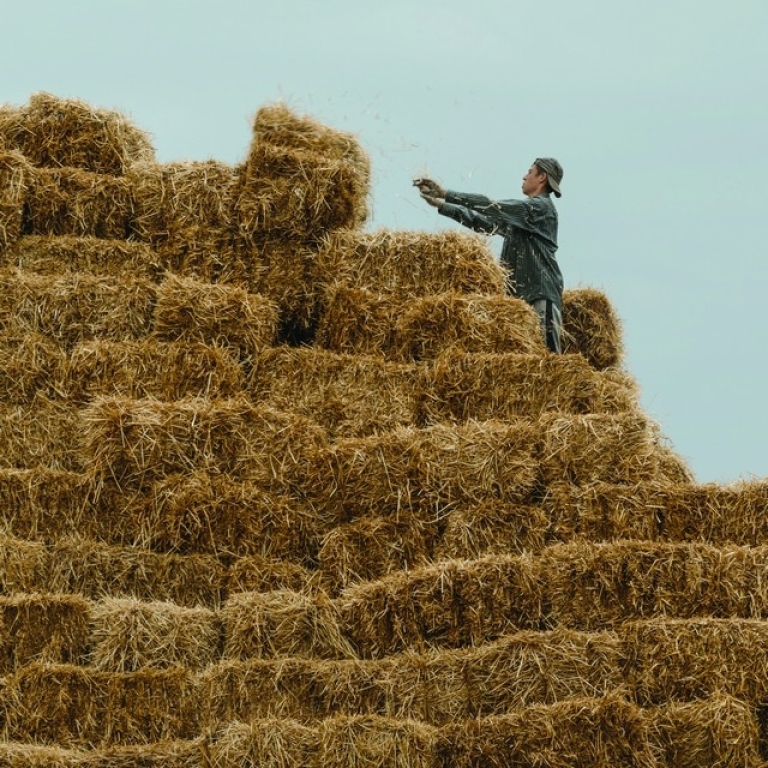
129,634
282,624
493,528
55,255
255,573
39,434
432,470
505,386
349,395
670,659
407,265
76,706
15,178
30,365
300,179
69,201
23,566
596,586
42,627
55,132
360,321
200,512
372,547
166,370
44,504
446,605
75,307
135,442
224,316
579,733
614,448
271,743
592,328
95,569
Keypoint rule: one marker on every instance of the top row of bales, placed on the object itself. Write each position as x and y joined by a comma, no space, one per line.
299,180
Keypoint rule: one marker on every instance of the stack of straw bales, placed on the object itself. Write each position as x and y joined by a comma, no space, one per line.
277,490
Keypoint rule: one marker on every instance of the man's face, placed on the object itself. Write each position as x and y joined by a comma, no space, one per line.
534,181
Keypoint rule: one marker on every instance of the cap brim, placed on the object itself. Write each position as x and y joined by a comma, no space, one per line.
554,186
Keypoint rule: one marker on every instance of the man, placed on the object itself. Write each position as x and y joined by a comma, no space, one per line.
529,229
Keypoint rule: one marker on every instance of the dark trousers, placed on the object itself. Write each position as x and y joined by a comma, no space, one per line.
551,323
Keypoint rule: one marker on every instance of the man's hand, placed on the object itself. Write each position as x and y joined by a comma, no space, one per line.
431,191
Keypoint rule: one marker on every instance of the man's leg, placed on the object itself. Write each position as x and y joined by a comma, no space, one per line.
551,323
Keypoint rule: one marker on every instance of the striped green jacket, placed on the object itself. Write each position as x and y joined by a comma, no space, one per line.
529,229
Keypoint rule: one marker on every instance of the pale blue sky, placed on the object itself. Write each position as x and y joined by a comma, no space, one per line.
656,109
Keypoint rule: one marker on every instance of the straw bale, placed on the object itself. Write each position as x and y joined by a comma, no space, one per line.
433,469
29,365
687,659
75,307
43,504
603,511
578,733
211,256
281,270
280,624
592,328
358,322
465,386
69,201
449,604
15,178
76,706
42,627
410,264
218,315
541,667
378,742
172,199
597,586
428,326
614,448
129,634
167,370
23,566
204,513
372,547
349,395
278,124
54,255
39,434
719,732
734,513
20,755
284,688
138,441
478,461
268,743
297,193
301,178
96,570
256,573
188,753
493,528
54,132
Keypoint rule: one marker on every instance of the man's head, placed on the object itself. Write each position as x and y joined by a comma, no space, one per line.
544,175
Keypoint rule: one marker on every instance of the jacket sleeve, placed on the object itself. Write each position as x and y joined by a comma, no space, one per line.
496,214
468,217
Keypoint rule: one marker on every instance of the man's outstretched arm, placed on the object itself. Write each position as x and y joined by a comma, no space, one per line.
436,196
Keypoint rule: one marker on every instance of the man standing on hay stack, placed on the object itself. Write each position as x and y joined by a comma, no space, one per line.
529,229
